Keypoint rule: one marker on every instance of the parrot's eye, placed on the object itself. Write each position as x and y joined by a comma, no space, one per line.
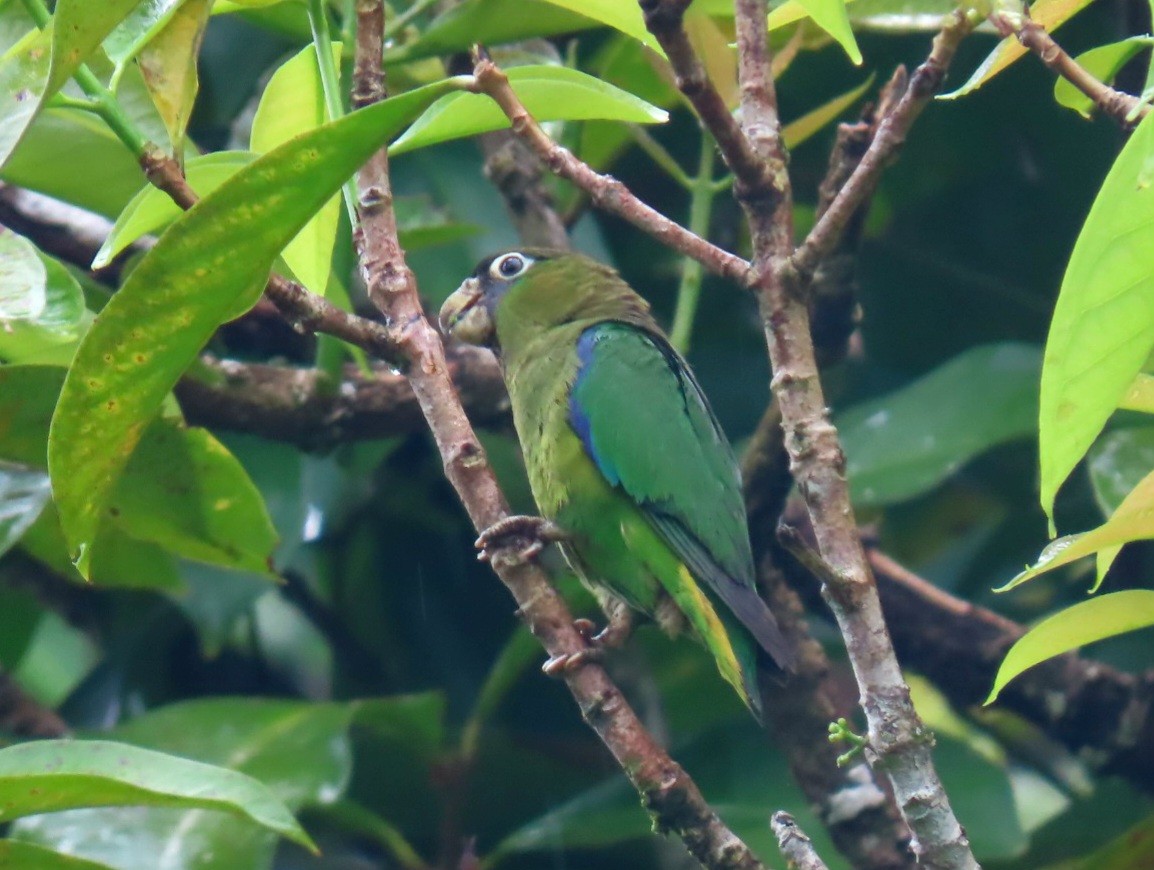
508,266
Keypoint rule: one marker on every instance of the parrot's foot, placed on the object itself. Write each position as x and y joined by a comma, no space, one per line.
611,636
535,533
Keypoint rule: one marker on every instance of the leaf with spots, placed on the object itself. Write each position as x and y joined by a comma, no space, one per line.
209,263
183,490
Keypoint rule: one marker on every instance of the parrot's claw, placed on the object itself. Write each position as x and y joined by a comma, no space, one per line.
535,533
557,666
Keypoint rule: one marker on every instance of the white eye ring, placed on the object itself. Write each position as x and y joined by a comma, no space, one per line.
510,266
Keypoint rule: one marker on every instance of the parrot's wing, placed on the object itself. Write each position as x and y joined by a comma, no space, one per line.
644,421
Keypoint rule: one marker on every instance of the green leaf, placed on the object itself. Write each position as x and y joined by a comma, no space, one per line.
796,132
151,208
490,22
1139,395
831,16
1103,327
1086,622
182,489
550,93
1132,521
300,751
1117,463
168,66
421,225
143,23
102,175
214,258
23,82
905,443
293,103
1048,14
26,856
52,775
625,17
51,336
23,295
79,27
1103,63
23,493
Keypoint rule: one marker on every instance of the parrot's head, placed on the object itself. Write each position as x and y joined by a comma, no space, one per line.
532,290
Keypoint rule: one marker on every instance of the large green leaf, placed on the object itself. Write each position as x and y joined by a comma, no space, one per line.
1048,14
902,444
490,22
23,82
52,775
1104,63
143,23
1132,521
79,27
212,260
550,93
625,17
151,208
39,65
51,335
1117,463
102,175
23,493
1103,325
293,102
168,67
1086,622
299,750
831,16
182,489
23,295
26,856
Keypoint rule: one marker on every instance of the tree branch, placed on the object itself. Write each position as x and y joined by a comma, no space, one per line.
665,787
891,134
604,191
898,742
795,846
303,406
305,311
1127,110
516,173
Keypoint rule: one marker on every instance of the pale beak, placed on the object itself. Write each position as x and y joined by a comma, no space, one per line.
464,317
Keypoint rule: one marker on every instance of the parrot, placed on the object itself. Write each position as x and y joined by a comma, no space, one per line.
631,472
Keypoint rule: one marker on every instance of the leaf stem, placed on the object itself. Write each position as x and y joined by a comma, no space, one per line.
702,192
330,85
104,102
660,156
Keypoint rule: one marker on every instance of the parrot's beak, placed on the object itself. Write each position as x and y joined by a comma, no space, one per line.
464,317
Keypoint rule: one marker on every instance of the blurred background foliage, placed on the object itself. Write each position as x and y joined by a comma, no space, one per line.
384,687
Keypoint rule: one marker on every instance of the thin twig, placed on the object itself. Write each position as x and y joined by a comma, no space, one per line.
604,191
795,846
891,133
664,786
665,20
1124,108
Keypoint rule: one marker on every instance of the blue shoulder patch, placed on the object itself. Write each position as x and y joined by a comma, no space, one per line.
578,419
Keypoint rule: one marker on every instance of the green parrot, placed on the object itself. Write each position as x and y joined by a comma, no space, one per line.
628,465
